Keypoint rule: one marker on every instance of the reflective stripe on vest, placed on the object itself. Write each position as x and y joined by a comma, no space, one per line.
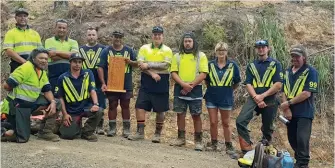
71,94
298,85
197,63
266,81
125,55
90,63
215,81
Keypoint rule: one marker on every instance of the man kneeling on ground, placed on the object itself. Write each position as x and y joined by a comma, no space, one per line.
74,89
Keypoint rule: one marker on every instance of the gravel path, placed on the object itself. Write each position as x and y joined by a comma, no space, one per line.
108,152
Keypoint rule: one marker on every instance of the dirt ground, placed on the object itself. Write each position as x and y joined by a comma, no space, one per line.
108,152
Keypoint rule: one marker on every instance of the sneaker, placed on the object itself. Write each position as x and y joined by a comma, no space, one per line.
100,131
48,137
136,137
156,138
199,146
230,150
90,138
212,147
178,142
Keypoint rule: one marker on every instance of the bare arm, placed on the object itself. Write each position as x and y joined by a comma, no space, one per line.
16,57
94,96
158,65
251,90
177,79
201,77
133,63
101,75
301,97
273,90
64,112
49,96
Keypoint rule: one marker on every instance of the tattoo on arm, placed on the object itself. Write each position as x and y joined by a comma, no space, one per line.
158,65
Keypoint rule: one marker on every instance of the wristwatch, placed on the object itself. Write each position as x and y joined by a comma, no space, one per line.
97,104
289,103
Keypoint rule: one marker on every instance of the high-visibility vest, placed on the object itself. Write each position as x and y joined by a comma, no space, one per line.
30,84
226,79
298,85
267,77
87,63
71,94
125,55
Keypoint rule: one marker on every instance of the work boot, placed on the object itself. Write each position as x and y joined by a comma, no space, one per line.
10,138
245,146
90,138
99,129
112,128
126,128
212,146
230,150
139,133
48,136
157,135
198,141
180,141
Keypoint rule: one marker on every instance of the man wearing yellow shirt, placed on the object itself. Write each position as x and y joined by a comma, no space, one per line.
188,69
154,61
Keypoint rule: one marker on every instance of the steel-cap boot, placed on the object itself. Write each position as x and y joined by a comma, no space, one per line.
126,129
180,141
112,129
139,135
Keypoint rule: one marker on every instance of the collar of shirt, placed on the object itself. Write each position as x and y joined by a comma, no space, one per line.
217,65
69,74
27,27
159,47
299,71
269,59
58,39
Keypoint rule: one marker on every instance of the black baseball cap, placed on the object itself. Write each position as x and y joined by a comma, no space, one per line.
261,43
21,11
76,56
118,33
157,29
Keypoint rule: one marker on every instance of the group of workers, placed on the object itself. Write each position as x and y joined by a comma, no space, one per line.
65,77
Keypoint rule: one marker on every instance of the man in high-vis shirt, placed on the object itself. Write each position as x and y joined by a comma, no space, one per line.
76,91
188,69
21,40
25,86
263,81
91,52
300,85
118,49
61,47
154,61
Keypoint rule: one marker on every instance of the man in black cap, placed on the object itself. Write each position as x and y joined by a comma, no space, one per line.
76,91
154,61
21,40
118,49
300,86
263,81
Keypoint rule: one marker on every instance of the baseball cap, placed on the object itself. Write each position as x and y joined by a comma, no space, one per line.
298,50
157,29
21,11
261,43
76,56
118,33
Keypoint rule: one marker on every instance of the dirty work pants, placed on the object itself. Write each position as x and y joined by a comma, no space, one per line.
299,133
75,129
268,115
19,117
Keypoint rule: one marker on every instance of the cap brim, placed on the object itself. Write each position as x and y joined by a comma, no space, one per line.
21,13
261,45
296,53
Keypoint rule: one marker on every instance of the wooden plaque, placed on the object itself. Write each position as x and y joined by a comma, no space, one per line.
116,72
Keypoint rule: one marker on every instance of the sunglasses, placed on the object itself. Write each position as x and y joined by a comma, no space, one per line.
261,43
61,21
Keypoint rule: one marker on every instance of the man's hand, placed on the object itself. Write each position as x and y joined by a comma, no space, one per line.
287,113
187,86
51,110
143,66
94,108
104,87
127,60
258,98
284,106
156,77
262,104
52,54
67,119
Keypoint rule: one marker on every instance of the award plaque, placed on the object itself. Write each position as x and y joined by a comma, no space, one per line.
116,72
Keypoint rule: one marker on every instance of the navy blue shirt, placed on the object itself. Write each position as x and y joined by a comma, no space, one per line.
305,108
126,52
219,90
64,90
92,59
262,67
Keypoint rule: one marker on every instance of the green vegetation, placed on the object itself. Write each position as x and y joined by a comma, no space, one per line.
212,34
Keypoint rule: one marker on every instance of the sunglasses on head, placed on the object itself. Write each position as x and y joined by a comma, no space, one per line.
261,43
61,21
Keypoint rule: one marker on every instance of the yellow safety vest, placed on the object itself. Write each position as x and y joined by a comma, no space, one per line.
30,85
226,79
71,94
298,85
267,78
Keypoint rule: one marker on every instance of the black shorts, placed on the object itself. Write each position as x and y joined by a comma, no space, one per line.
156,102
114,96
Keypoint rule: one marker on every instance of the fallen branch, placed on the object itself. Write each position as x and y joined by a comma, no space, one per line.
322,50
